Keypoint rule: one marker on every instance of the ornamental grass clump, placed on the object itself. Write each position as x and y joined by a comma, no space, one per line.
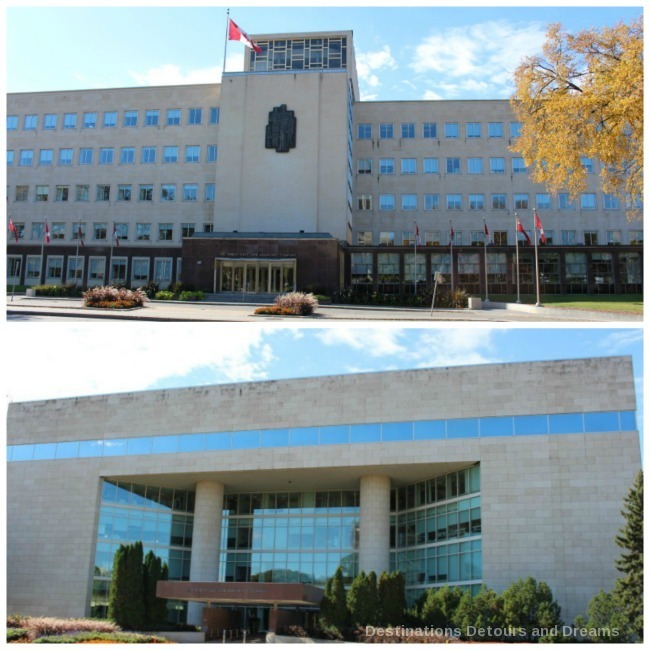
114,298
300,304
40,626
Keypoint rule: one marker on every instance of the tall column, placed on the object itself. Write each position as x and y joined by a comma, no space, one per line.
374,527
206,540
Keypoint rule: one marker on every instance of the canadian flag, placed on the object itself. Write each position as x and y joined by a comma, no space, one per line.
115,237
13,229
47,233
486,232
417,233
520,229
80,236
235,33
538,226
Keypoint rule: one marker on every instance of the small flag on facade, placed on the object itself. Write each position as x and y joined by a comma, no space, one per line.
13,229
417,233
486,232
115,237
47,233
237,34
538,226
80,236
520,229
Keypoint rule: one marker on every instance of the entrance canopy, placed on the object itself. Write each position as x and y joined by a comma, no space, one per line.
242,593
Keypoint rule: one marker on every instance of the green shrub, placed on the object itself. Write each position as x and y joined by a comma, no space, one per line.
16,633
165,295
191,295
58,291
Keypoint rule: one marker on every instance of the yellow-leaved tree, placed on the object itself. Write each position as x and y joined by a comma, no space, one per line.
584,97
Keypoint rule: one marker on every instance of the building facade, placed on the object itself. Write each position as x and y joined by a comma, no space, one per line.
135,184
450,475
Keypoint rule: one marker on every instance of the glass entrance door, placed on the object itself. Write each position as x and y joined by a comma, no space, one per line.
256,276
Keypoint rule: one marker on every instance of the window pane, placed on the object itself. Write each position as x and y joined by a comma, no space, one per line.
628,421
334,435
245,439
526,425
430,430
139,446
67,450
565,423
45,451
496,427
596,422
365,433
274,438
397,431
190,442
463,428
303,437
165,445
217,441
91,449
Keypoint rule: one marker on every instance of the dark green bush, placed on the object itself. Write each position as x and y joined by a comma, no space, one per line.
16,633
58,291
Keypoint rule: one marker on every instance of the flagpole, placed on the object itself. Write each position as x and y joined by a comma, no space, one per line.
538,303
225,45
517,253
451,253
77,253
487,299
415,258
40,271
110,259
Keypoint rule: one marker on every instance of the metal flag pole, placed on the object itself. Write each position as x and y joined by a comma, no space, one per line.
451,253
225,45
110,259
77,253
41,269
415,259
517,254
538,303
485,238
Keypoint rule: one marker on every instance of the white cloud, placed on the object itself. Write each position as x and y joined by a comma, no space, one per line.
375,342
64,360
370,62
620,341
478,58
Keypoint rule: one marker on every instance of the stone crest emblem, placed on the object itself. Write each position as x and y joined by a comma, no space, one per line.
281,129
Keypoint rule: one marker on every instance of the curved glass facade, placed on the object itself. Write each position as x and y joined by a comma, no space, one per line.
344,434
161,518
436,532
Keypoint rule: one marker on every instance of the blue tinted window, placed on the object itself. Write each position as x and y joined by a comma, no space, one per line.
217,441
334,435
114,447
496,427
23,452
245,439
306,436
462,428
45,451
397,431
274,438
91,448
10,451
365,433
528,425
190,442
565,423
67,450
595,422
430,430
628,421
139,446
164,444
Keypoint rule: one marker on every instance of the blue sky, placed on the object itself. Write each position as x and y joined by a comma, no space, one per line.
403,53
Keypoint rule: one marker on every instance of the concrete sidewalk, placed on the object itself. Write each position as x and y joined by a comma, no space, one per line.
167,311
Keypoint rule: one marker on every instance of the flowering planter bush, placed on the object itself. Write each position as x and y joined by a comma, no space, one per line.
113,298
291,304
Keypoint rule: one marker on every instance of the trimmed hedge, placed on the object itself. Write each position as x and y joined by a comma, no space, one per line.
105,637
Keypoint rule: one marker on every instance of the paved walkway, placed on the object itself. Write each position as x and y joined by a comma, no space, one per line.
243,312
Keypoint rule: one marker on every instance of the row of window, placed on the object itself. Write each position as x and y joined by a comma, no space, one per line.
110,119
106,156
387,432
498,237
78,231
125,192
429,130
452,165
494,201
54,272
300,54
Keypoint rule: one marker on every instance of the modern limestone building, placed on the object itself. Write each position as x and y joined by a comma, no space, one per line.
455,476
280,177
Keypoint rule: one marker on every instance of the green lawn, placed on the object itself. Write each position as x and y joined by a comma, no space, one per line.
626,303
